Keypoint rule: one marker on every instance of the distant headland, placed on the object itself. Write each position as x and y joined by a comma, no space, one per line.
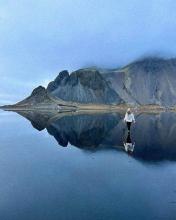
149,83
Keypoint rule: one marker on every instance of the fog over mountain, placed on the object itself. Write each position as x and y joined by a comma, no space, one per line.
38,39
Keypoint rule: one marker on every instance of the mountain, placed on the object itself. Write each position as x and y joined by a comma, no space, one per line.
39,99
38,95
150,81
83,86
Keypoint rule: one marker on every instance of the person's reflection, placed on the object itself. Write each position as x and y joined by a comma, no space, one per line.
128,145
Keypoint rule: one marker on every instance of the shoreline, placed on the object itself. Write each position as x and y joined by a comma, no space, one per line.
88,108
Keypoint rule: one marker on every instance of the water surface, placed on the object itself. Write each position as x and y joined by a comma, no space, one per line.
75,167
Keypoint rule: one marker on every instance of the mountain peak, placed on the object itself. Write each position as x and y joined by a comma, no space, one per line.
84,86
39,90
153,64
38,95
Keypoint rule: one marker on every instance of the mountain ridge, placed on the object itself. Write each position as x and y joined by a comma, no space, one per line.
149,81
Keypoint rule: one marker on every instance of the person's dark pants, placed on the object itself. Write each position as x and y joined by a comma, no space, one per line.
128,125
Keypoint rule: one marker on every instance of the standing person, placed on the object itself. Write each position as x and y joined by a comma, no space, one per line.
129,118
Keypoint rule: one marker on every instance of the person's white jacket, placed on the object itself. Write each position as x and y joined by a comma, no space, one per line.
129,117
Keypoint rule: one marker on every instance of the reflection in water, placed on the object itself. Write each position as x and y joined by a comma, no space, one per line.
154,134
83,131
128,144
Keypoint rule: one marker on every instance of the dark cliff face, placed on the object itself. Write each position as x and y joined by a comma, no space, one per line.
150,81
84,86
147,81
60,79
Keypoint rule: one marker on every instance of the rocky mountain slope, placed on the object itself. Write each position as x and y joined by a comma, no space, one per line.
150,81
39,99
145,82
83,86
38,95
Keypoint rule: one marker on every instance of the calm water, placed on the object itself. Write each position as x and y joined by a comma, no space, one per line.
75,167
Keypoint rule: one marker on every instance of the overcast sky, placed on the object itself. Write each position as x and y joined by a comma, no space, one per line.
39,38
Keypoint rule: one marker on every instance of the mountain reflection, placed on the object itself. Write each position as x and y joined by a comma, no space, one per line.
154,134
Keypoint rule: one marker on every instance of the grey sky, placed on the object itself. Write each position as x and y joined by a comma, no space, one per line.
40,38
